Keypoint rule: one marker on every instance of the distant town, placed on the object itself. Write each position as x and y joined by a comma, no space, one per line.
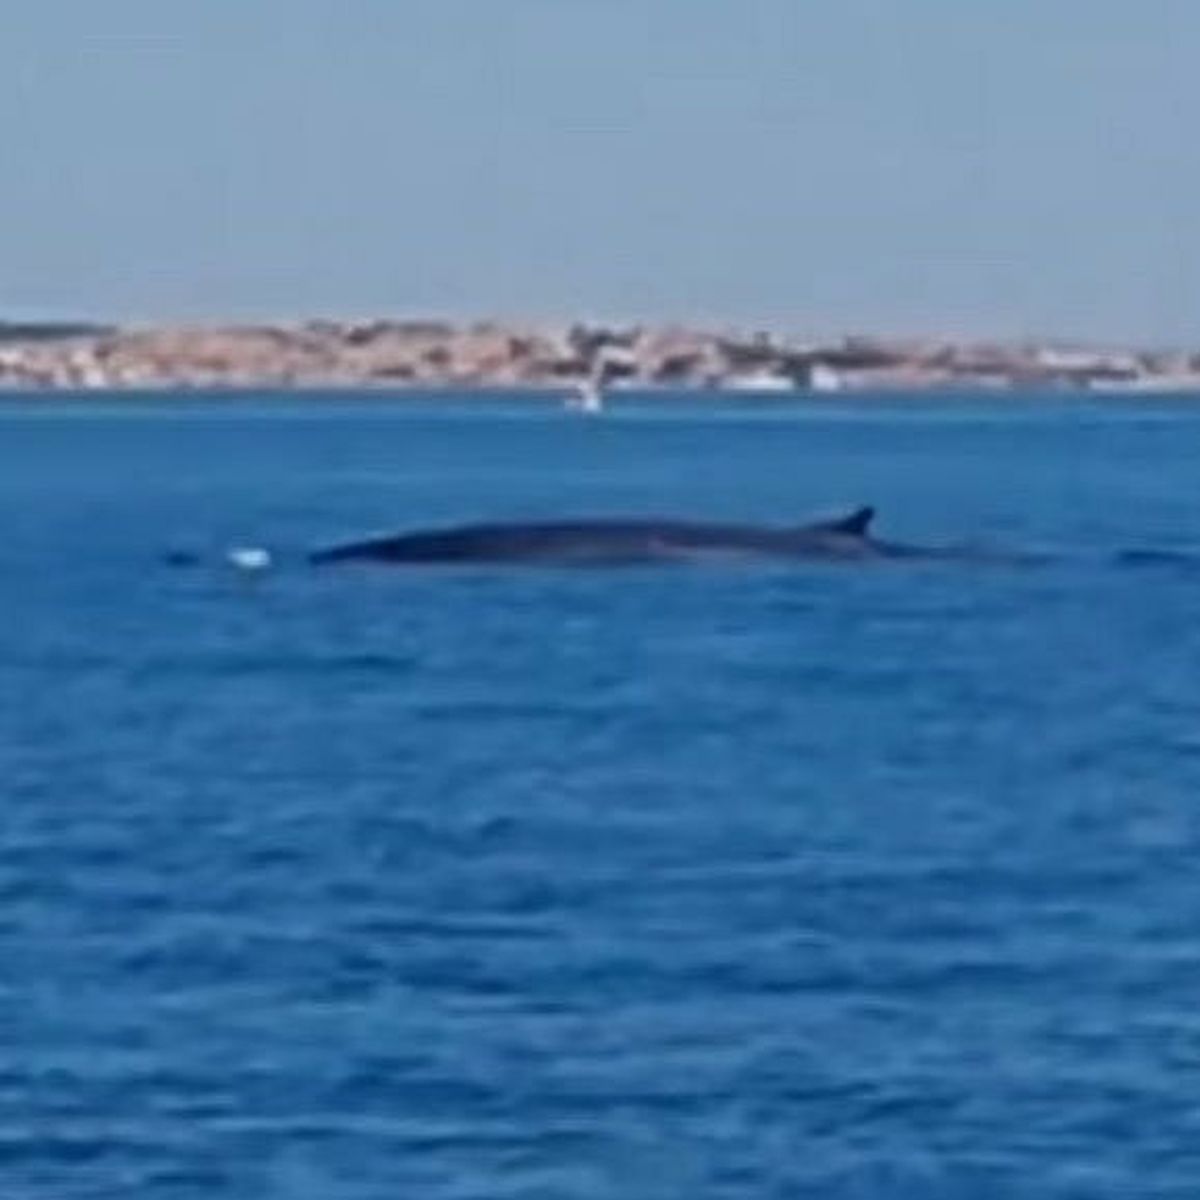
431,354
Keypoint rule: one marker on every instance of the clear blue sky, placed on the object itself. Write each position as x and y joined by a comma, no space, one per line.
967,166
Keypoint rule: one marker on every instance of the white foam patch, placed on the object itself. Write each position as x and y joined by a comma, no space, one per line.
249,558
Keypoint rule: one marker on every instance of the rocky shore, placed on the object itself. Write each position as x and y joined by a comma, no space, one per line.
434,354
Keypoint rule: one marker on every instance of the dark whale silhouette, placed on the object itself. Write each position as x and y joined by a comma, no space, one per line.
617,541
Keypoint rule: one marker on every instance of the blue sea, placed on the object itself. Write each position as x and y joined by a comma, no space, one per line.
715,883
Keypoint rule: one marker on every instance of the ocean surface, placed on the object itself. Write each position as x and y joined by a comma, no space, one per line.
727,882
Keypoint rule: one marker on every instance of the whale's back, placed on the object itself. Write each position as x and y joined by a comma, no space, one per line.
600,541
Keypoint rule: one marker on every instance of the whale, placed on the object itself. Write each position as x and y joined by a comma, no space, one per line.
616,541
628,541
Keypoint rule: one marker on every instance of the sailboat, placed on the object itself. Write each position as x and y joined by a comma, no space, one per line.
588,396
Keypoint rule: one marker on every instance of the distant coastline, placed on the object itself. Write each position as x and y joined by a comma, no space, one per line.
436,354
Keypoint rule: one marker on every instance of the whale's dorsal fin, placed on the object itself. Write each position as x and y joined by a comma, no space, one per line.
855,524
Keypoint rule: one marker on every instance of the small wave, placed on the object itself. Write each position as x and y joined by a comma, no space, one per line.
303,664
218,665
1186,560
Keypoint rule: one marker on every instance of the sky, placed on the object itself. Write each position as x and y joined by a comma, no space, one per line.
957,167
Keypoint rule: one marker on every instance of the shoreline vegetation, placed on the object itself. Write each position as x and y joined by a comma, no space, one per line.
430,354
